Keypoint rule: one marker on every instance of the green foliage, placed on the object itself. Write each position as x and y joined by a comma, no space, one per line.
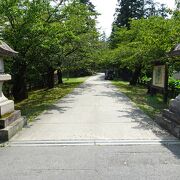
136,9
177,4
146,79
89,4
128,9
173,83
48,36
146,41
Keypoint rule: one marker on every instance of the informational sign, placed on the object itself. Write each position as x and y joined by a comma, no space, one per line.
159,76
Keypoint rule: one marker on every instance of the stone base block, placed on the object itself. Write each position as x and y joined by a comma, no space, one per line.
12,129
4,122
169,125
171,116
6,107
175,106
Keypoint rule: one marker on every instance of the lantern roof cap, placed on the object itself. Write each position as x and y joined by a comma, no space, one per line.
5,50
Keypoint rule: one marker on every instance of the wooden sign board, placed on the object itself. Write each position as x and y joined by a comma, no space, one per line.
160,80
159,76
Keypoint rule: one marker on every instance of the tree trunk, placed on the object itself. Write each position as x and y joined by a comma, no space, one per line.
59,73
50,79
19,90
135,76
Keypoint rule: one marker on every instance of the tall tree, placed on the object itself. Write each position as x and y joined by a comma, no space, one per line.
162,11
80,35
177,2
89,4
149,8
128,9
132,10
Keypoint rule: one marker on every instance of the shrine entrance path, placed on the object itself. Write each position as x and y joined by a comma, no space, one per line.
94,112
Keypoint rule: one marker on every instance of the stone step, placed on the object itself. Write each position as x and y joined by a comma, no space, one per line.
12,129
171,115
169,125
92,142
6,121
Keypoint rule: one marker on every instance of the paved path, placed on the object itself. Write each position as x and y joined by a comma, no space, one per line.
94,111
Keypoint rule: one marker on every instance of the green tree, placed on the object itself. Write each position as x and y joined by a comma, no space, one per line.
48,37
128,9
162,11
89,4
146,41
80,35
177,2
22,29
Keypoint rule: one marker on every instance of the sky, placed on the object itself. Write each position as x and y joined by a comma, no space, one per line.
107,9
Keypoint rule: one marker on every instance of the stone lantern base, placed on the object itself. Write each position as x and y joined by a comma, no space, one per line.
170,118
11,120
11,124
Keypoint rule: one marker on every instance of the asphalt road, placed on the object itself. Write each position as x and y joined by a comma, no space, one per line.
127,162
95,133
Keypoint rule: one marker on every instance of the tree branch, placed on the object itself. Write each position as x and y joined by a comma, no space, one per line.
70,52
55,10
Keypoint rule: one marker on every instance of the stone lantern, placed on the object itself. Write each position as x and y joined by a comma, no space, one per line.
10,120
6,106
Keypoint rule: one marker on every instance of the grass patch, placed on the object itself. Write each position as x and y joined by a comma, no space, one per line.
151,105
42,99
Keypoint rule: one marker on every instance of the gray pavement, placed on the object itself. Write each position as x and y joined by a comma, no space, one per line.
135,162
95,133
95,110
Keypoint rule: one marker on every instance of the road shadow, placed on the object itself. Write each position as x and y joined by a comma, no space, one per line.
144,122
116,96
174,149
